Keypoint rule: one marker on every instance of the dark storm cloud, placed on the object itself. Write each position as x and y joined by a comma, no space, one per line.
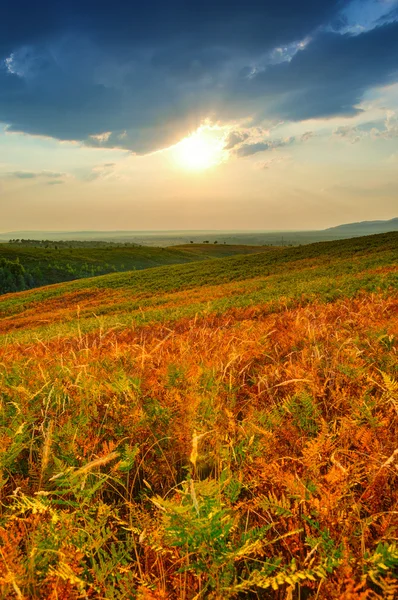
391,16
147,74
156,23
330,76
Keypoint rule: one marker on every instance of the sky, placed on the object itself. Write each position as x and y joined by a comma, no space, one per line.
207,114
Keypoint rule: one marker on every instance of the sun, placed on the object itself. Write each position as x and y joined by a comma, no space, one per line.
201,150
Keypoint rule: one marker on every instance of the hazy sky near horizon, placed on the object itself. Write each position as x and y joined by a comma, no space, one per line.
198,115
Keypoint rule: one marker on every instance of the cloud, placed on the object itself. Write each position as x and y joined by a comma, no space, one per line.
374,130
390,127
21,175
161,26
249,149
235,138
361,15
142,76
351,134
329,76
390,16
33,175
103,171
306,136
254,148
100,138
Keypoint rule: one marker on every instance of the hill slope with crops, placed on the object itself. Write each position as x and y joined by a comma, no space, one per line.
219,430
29,264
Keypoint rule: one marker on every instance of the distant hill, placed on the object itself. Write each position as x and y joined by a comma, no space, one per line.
366,227
183,237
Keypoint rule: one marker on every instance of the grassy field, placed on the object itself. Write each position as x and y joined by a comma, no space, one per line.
219,430
53,264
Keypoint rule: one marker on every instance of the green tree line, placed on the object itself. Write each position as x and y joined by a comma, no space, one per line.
13,277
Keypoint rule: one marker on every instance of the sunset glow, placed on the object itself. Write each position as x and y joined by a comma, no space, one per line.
201,150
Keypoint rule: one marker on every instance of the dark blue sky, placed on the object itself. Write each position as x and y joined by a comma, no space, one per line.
149,72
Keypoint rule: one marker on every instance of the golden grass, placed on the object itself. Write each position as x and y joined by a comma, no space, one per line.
236,442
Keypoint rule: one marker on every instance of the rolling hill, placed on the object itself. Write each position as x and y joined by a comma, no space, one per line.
49,263
222,429
366,227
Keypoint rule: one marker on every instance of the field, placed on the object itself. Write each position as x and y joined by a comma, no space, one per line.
224,429
54,262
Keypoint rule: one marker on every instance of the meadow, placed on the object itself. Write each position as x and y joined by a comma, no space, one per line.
224,429
25,264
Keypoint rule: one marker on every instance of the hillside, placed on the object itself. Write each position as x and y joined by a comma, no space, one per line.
223,429
54,264
365,227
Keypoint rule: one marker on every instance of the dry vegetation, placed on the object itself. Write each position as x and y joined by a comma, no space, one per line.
230,441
